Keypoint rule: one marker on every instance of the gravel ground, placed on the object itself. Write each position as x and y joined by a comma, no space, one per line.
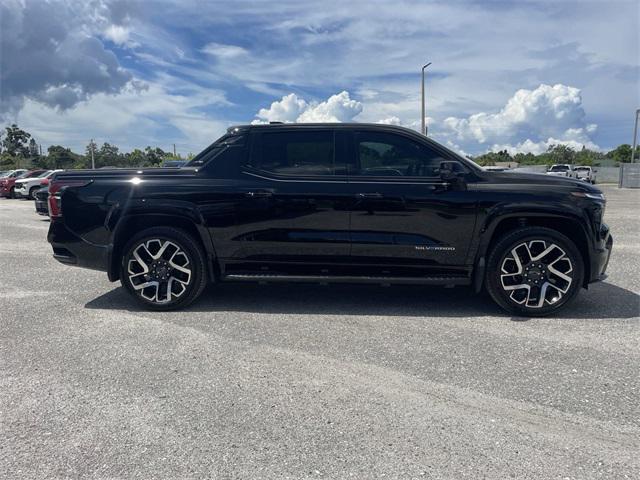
293,381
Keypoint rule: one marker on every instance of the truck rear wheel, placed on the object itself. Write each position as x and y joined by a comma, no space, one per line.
163,268
534,271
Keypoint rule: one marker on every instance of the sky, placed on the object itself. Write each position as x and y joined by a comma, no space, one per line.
505,75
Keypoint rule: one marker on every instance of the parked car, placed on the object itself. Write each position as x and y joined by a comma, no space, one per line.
41,198
332,203
7,183
561,170
26,187
586,173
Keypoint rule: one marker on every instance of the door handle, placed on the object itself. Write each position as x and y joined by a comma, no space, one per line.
259,194
369,195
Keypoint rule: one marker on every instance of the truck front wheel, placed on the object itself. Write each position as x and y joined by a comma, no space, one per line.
534,271
163,268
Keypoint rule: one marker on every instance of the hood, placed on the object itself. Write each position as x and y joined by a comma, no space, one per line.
538,179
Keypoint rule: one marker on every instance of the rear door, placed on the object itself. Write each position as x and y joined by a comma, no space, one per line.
403,213
295,199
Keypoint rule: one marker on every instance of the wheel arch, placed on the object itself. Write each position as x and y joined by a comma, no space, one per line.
569,226
129,225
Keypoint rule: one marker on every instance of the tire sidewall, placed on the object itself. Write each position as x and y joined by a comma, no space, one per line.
512,239
196,260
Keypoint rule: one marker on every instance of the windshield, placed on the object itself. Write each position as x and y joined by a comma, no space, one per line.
44,174
559,168
583,169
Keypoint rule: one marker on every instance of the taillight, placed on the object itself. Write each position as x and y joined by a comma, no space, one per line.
44,182
55,194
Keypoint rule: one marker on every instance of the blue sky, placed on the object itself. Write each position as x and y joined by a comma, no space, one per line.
515,75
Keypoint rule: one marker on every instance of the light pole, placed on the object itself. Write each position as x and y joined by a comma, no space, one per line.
93,163
424,125
635,136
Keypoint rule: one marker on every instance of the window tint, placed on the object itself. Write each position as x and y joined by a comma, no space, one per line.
215,148
384,154
297,153
559,168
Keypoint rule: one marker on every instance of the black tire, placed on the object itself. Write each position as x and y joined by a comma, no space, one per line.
534,274
160,271
32,192
12,193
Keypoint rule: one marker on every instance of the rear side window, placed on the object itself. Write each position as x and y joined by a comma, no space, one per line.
388,155
300,153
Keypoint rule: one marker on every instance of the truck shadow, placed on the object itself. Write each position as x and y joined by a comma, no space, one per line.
602,301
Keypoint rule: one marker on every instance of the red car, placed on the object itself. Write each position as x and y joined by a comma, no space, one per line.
8,181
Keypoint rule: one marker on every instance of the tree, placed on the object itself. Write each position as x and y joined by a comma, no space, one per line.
491,158
588,157
155,156
16,141
561,154
136,158
108,156
525,158
622,153
33,148
60,157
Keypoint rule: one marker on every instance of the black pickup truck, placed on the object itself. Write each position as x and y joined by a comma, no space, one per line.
349,203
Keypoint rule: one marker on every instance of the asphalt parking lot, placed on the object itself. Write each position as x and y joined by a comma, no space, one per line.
304,381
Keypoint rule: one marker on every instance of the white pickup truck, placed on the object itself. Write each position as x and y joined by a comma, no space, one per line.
561,170
586,173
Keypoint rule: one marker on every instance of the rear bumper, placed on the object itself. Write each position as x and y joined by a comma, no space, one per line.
601,254
71,249
41,207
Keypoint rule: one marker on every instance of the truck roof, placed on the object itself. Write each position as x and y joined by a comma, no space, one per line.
349,125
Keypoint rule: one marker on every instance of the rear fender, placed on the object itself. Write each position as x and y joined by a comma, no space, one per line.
146,213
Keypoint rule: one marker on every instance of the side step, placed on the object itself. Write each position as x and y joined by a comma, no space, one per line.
382,280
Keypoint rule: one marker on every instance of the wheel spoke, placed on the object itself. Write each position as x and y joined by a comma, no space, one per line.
159,270
531,270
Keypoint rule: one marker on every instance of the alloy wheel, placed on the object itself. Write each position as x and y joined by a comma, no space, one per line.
159,270
536,273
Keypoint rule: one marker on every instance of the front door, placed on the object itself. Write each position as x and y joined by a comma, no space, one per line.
295,205
403,213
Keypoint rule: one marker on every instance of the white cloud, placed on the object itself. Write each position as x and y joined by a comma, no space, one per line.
286,110
291,108
530,121
393,120
133,119
224,51
337,108
118,34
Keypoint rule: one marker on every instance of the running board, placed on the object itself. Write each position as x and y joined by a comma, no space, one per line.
382,280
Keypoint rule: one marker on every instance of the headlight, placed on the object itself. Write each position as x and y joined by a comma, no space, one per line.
594,196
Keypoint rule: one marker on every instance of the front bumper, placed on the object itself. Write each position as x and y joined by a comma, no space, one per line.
71,249
601,254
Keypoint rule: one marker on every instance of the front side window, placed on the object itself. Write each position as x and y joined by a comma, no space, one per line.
388,155
300,153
